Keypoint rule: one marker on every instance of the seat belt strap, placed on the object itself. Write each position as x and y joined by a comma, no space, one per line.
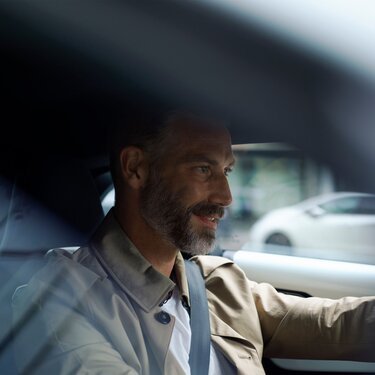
199,357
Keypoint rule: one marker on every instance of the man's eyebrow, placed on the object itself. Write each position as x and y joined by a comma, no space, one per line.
197,158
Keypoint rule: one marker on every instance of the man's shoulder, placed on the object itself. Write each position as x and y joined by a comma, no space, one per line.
75,257
71,269
212,263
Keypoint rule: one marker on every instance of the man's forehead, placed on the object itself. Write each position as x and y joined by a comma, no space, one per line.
200,138
198,130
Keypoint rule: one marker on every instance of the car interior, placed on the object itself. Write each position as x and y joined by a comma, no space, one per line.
70,71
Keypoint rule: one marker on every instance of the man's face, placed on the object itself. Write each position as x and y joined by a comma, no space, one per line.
186,193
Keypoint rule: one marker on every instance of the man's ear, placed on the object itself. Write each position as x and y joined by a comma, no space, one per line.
134,166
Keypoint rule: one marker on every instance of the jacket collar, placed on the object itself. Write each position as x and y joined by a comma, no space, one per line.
130,270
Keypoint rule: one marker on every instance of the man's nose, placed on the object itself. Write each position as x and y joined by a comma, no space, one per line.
220,192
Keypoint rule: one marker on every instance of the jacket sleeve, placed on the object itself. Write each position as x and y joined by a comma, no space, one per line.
52,336
316,328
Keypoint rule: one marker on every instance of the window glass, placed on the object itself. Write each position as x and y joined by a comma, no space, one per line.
342,206
284,202
267,177
366,206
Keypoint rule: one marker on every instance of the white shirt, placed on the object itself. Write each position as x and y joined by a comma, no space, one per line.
179,347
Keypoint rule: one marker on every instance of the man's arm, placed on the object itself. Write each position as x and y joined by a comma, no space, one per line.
316,328
52,336
288,326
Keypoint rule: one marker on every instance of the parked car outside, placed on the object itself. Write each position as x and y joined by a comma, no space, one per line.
337,225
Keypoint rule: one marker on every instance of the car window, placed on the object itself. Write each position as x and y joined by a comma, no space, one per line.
366,206
342,206
286,202
353,205
268,176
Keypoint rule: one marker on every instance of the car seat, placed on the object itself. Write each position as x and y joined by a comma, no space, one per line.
52,203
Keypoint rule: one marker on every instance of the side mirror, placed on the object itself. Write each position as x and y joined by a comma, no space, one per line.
316,212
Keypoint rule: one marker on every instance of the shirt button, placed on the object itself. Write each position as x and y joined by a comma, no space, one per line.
162,317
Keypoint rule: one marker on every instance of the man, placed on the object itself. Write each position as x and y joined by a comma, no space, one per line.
121,304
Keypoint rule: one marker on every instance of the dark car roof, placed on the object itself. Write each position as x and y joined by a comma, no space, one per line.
70,70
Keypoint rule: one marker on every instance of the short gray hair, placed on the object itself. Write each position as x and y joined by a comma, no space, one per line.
149,130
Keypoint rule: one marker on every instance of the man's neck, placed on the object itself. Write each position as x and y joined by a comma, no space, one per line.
158,251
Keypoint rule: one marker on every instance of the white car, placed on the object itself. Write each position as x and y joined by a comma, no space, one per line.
338,225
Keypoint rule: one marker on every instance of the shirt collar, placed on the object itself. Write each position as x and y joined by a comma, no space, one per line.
130,270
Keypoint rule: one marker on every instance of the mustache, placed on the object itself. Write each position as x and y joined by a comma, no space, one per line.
207,209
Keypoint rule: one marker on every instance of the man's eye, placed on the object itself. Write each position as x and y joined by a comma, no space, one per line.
227,171
203,169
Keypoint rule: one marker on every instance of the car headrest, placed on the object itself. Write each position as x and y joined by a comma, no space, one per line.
6,187
54,203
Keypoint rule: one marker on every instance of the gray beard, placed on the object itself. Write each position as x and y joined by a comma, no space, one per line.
163,212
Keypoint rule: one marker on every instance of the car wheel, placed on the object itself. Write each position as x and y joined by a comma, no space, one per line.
282,243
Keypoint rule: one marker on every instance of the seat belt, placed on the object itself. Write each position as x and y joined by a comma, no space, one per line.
199,357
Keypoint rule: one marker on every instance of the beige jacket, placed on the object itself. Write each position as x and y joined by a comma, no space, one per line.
92,311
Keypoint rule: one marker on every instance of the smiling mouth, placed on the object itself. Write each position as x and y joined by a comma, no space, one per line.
209,221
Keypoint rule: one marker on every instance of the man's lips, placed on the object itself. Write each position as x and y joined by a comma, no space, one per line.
208,214
209,221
